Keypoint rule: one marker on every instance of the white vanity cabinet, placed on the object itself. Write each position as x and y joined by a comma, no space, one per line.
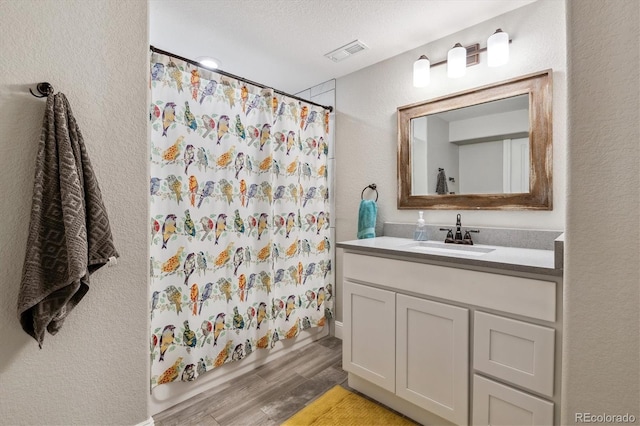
415,348
448,345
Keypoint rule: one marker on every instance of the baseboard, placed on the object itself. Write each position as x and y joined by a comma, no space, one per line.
338,329
148,422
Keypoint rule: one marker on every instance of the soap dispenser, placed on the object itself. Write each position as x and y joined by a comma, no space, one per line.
420,234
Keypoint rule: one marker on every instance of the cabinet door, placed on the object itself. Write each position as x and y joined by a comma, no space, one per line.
433,356
498,405
369,334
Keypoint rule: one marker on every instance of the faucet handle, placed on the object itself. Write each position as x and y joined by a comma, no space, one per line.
467,236
449,237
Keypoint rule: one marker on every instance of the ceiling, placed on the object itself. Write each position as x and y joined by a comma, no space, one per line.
282,43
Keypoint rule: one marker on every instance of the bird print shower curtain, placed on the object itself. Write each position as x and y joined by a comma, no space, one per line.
240,249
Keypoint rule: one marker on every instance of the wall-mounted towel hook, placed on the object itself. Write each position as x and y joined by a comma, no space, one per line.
373,187
45,89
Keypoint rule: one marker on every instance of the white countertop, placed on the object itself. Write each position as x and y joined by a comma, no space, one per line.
506,258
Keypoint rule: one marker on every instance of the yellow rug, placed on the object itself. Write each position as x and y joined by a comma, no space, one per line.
339,407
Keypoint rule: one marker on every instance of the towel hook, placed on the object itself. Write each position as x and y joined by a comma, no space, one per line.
45,89
373,187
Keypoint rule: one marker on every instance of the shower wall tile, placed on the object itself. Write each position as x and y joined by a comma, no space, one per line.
324,98
332,135
333,252
323,87
333,238
305,94
331,278
331,170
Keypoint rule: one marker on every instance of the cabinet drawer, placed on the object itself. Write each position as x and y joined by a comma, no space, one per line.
516,351
496,404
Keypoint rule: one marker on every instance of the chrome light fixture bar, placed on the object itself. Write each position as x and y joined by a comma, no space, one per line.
460,57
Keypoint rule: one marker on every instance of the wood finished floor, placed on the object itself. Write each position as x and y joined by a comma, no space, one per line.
268,395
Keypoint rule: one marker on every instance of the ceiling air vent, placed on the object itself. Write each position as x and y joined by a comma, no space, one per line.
347,50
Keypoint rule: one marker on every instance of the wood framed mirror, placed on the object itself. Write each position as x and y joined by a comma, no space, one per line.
488,148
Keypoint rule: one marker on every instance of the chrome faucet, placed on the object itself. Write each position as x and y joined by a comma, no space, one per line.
458,238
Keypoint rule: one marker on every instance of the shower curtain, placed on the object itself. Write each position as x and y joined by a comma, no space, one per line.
240,248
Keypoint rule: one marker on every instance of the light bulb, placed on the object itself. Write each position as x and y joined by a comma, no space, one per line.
421,72
457,61
498,49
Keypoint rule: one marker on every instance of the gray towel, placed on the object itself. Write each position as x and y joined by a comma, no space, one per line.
69,232
441,183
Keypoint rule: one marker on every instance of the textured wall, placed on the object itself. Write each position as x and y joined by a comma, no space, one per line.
366,119
95,370
602,276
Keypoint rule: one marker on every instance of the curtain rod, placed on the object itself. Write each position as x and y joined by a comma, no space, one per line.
226,74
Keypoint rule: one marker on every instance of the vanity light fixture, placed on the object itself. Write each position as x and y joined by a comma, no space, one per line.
457,61
421,72
460,57
498,49
208,61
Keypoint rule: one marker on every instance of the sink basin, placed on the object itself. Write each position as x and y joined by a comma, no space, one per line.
436,247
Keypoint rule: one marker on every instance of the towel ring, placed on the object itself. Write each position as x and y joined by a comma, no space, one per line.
45,89
373,187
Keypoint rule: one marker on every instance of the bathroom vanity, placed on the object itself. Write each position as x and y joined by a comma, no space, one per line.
445,333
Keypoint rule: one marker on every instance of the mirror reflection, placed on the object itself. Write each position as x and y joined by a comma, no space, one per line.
480,149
